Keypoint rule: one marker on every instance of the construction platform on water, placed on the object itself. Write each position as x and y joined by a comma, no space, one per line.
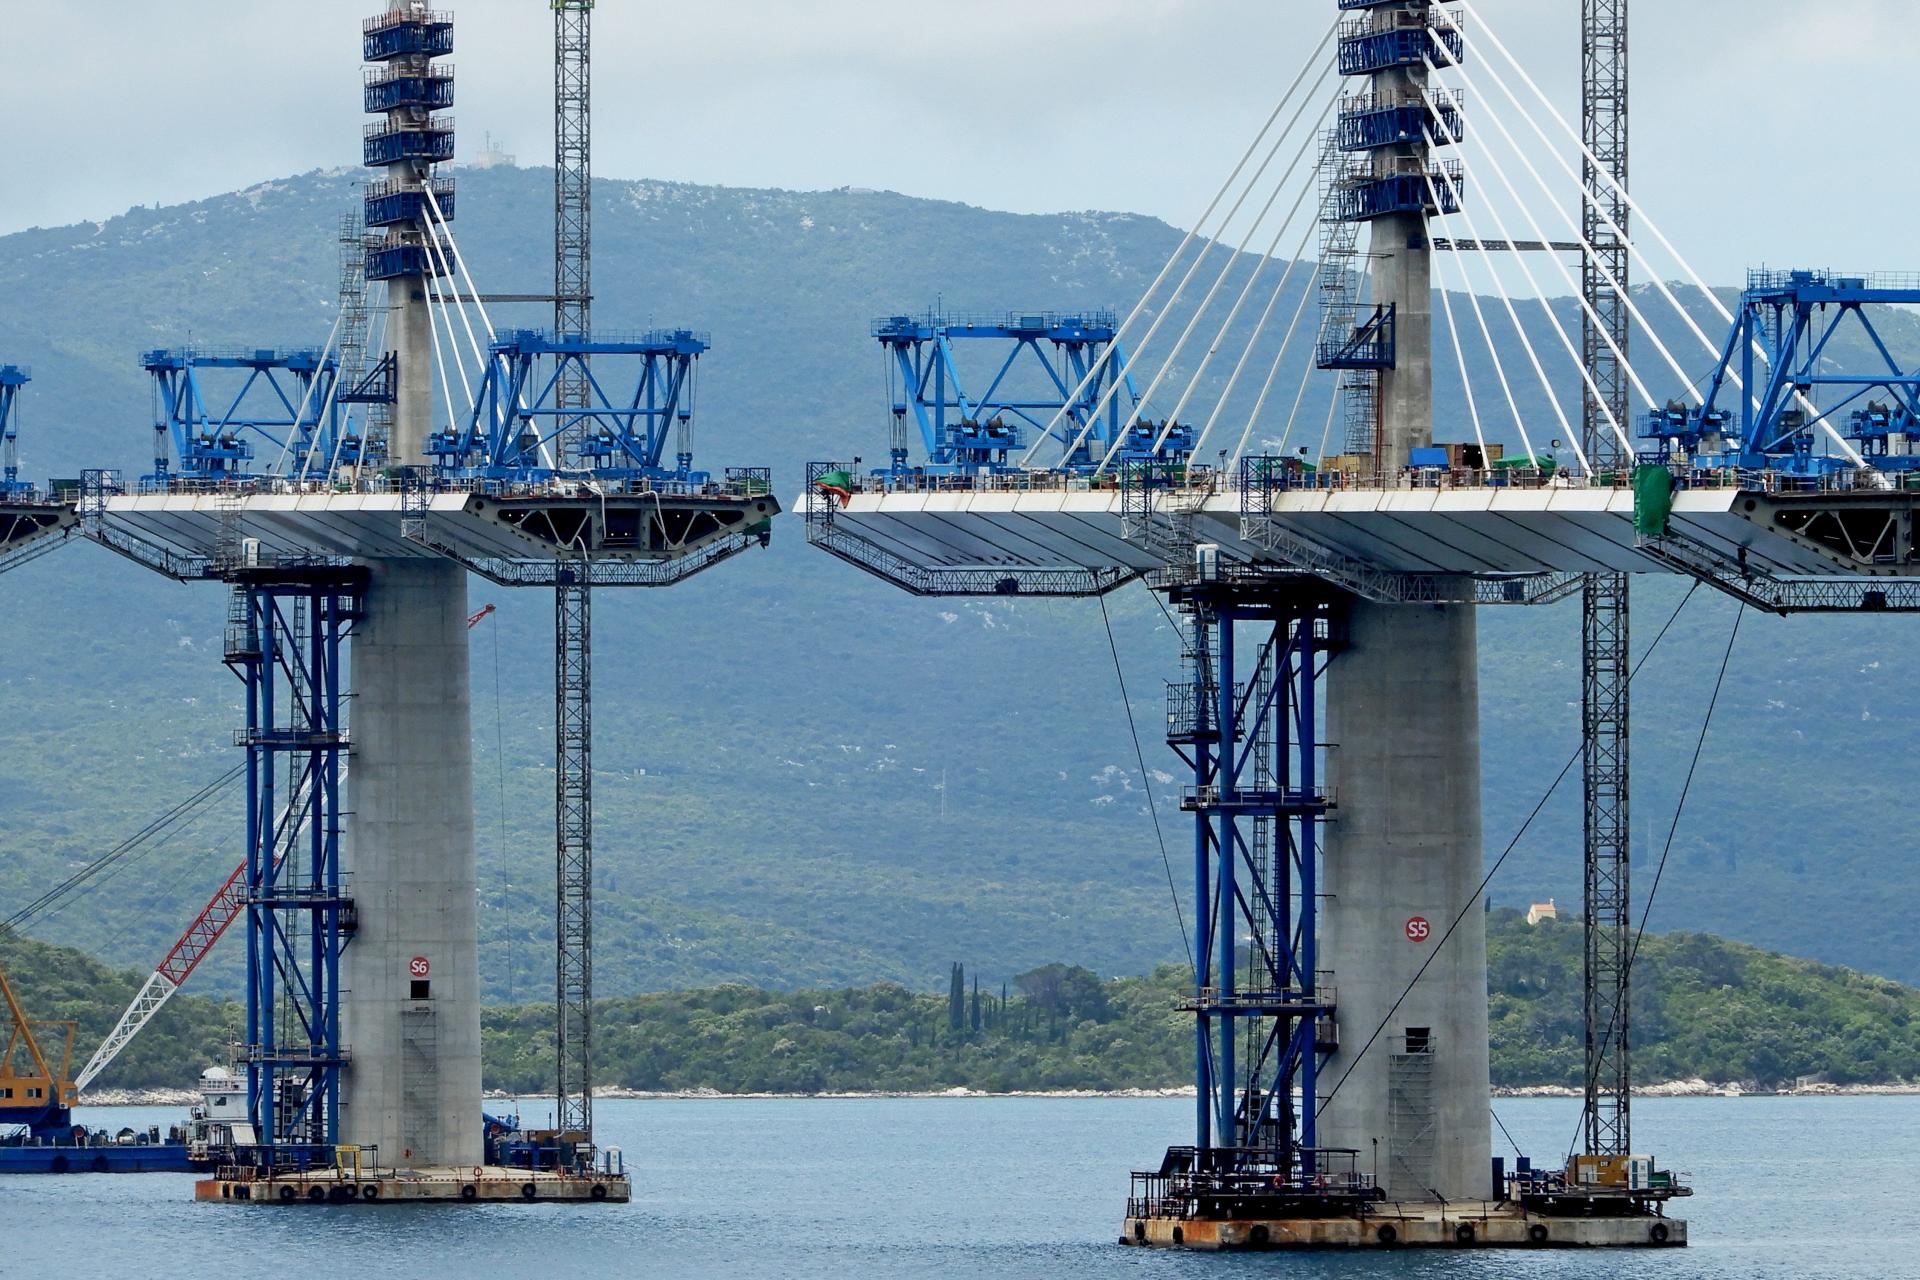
1222,1200
346,1183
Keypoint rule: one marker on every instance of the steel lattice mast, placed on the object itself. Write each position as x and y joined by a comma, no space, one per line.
573,602
1604,602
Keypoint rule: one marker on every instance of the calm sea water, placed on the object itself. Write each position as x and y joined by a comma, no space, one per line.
976,1187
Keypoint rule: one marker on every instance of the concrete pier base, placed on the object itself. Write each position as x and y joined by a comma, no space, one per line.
1471,1225
480,1185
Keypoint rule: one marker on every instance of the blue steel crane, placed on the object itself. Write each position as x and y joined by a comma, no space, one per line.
234,414
520,429
1770,416
1039,388
12,378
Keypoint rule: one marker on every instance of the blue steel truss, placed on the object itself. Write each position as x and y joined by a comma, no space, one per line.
1047,356
285,633
12,378
515,430
1785,376
237,415
1246,724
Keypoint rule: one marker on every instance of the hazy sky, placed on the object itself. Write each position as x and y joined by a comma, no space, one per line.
1761,125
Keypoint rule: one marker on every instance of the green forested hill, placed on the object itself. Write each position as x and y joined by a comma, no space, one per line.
1704,1007
806,780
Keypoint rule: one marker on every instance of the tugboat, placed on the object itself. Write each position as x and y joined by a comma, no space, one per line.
37,1132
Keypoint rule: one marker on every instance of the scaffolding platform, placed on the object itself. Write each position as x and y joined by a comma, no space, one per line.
480,1185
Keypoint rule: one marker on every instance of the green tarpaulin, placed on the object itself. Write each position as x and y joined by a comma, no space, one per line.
1652,500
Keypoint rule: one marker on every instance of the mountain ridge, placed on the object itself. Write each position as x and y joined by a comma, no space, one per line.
804,778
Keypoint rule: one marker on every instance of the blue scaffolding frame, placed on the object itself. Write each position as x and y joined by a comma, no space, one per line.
285,634
1248,732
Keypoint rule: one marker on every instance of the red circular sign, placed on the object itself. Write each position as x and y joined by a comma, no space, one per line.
419,967
1418,930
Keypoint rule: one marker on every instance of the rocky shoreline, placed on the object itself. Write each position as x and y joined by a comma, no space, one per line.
1664,1089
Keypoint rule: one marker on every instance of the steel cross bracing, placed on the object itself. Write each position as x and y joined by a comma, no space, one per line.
1057,371
1245,722
573,600
1604,603
285,633
572,191
573,817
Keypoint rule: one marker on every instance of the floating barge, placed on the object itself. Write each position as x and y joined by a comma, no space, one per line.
1224,1200
345,1184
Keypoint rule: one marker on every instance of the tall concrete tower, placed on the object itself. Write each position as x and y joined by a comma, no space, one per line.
1404,853
411,1016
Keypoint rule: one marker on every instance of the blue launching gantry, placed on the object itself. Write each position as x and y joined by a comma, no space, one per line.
235,415
516,428
1764,408
12,378
1061,371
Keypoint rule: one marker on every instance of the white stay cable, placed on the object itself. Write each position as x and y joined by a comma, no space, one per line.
1233,315
1459,356
1326,430
486,321
326,413
376,341
1647,221
1099,365
1486,333
1253,338
443,271
1246,432
287,445
439,362
1546,305
459,260
1273,372
1308,145
1574,288
1513,315
1592,198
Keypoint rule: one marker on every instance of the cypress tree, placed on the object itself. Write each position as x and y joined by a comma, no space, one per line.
976,1004
957,998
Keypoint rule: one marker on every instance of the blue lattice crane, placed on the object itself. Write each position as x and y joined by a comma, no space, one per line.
522,429
12,378
234,414
1050,384
1785,377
